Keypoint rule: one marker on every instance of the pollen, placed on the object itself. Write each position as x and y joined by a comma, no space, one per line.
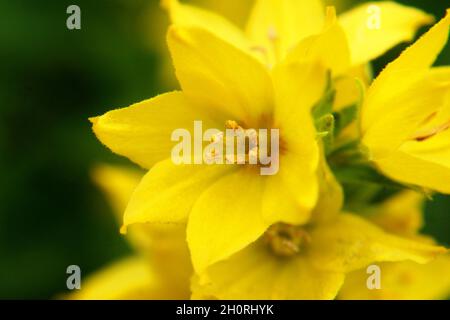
231,124
249,154
286,240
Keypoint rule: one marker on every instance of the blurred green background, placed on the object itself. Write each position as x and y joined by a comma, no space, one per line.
51,80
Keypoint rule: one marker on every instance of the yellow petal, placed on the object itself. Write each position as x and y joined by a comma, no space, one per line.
351,87
292,205
435,149
411,169
129,279
164,244
406,70
256,274
220,76
236,11
226,218
297,132
331,195
191,16
402,214
167,192
142,132
166,248
118,184
276,26
351,243
330,47
402,115
374,28
402,281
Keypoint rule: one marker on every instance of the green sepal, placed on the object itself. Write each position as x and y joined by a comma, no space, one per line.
325,105
325,131
345,117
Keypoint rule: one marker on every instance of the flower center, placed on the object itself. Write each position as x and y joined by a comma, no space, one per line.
286,240
245,152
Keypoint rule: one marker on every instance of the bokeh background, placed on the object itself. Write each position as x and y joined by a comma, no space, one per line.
51,80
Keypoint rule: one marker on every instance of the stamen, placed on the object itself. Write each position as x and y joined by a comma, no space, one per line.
264,53
272,34
286,240
425,135
247,156
231,124
253,155
273,37
213,156
217,137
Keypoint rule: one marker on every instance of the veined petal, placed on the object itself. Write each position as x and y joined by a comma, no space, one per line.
278,25
399,75
402,281
226,218
142,132
350,243
191,16
375,27
220,76
256,274
330,47
167,192
412,169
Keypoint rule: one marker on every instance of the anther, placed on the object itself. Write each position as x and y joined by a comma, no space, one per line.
286,240
425,135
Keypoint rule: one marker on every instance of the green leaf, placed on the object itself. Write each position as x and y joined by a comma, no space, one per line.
364,174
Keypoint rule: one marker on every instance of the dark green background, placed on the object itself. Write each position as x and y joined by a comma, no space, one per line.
51,81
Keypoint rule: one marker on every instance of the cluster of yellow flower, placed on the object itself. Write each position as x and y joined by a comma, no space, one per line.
226,232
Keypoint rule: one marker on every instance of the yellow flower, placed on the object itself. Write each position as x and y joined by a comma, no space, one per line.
402,281
275,27
156,20
307,262
406,115
405,280
159,269
226,207
253,79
